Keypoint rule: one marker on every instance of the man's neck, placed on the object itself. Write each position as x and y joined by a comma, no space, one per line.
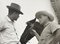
46,23
10,18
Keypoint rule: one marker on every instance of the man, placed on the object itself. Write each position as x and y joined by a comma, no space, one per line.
56,6
51,32
8,33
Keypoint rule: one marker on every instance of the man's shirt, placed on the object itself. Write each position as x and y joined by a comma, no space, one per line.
7,31
48,33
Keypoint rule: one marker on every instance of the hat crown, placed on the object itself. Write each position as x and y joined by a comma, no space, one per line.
16,6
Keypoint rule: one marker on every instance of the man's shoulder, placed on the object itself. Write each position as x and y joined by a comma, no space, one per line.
53,24
2,20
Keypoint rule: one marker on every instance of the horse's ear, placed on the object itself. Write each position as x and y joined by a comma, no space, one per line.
31,21
34,19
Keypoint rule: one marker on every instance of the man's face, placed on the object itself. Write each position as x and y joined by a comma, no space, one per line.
15,15
42,19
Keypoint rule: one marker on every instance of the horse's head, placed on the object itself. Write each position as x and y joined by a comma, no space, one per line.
27,35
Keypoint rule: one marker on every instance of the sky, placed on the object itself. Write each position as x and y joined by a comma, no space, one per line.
29,8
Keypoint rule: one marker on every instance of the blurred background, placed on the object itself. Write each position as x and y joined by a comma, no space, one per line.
29,8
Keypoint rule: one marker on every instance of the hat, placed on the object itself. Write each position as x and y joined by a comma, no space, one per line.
39,13
15,7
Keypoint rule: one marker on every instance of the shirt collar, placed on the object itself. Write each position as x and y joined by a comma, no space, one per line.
46,24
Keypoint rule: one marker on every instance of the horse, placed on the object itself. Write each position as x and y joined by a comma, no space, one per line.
26,35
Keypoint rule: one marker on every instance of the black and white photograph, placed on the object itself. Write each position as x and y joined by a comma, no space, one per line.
29,21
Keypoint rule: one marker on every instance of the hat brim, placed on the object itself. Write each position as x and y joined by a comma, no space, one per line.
9,7
38,14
